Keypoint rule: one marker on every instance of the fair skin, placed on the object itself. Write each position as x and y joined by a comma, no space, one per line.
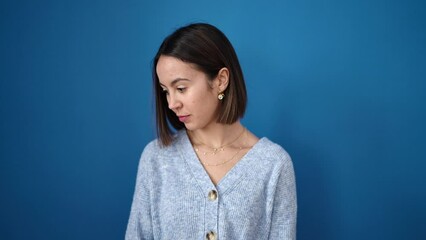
193,98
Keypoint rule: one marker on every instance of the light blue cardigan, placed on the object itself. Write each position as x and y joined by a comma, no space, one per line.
255,200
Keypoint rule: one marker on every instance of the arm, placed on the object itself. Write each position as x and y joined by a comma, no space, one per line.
139,226
284,211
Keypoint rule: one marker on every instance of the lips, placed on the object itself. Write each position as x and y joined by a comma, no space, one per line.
183,118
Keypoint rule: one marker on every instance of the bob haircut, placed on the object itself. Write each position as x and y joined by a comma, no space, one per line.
209,50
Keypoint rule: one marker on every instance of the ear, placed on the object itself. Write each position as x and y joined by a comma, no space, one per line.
222,80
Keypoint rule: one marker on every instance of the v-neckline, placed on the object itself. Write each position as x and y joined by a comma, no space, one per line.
201,176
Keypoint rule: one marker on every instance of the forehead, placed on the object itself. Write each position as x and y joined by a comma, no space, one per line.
170,68
167,65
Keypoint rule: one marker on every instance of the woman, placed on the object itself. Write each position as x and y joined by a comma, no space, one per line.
213,178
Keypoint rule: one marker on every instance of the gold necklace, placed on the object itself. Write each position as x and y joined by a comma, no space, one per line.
225,161
216,149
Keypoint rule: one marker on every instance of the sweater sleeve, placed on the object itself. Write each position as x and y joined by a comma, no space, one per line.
284,212
139,226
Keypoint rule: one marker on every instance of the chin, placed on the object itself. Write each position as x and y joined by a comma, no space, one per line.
192,127
189,127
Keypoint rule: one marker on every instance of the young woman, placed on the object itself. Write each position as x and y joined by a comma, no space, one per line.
212,178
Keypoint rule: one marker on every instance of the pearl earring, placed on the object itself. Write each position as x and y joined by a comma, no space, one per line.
220,96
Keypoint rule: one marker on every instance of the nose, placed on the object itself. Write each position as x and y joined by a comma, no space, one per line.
173,102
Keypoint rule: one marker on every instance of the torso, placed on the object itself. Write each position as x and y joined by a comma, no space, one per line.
172,181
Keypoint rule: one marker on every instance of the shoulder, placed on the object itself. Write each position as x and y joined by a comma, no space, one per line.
155,147
270,157
272,151
269,161
281,162
151,147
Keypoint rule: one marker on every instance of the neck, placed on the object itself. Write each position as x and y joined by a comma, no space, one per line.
217,135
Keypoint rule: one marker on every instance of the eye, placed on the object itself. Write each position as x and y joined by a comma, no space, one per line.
165,91
181,89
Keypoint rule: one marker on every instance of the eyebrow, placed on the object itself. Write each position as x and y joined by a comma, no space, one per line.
174,82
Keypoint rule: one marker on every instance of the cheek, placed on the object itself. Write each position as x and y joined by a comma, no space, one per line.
203,104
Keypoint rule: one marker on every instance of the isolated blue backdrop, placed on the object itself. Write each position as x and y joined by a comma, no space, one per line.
339,84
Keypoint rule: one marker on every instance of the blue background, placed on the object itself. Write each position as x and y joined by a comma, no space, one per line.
339,84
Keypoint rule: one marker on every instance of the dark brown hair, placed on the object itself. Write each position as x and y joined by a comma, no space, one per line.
209,50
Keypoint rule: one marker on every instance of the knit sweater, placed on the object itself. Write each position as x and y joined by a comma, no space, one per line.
175,198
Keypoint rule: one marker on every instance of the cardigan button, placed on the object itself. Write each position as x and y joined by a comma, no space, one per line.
211,235
212,195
